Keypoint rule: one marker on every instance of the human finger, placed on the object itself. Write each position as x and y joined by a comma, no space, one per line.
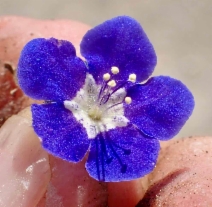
182,176
57,189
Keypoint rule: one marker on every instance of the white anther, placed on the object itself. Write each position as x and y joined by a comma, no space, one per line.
128,100
106,76
115,70
111,83
132,77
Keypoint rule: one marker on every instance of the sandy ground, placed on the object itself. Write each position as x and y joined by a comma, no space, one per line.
180,31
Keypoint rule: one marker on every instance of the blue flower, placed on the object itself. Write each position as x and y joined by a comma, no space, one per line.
99,106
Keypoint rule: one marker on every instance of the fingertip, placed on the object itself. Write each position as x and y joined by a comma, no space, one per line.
127,194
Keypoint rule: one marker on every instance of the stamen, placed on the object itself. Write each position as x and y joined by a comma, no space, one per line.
118,87
106,76
115,70
112,106
111,83
128,100
132,77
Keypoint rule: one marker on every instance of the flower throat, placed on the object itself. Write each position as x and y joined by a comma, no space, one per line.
108,88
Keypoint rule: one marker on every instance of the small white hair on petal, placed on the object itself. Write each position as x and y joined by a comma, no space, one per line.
115,70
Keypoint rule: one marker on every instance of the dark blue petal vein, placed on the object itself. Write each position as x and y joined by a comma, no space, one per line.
121,154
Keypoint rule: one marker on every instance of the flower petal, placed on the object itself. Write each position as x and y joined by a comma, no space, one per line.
121,154
119,42
160,107
48,69
59,131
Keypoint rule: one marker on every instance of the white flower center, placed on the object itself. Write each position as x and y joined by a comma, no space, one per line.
98,108
95,113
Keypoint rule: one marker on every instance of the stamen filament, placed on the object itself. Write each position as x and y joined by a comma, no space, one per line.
105,98
118,87
112,106
104,85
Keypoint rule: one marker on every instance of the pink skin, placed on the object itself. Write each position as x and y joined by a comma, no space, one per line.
31,177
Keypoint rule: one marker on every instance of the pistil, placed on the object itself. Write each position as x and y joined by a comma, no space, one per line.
95,113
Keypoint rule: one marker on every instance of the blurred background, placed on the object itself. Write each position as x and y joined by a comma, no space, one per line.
181,32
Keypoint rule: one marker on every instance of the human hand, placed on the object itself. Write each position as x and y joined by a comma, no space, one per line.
31,177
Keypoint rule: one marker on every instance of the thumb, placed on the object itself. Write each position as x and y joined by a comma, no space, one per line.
26,167
31,177
25,170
